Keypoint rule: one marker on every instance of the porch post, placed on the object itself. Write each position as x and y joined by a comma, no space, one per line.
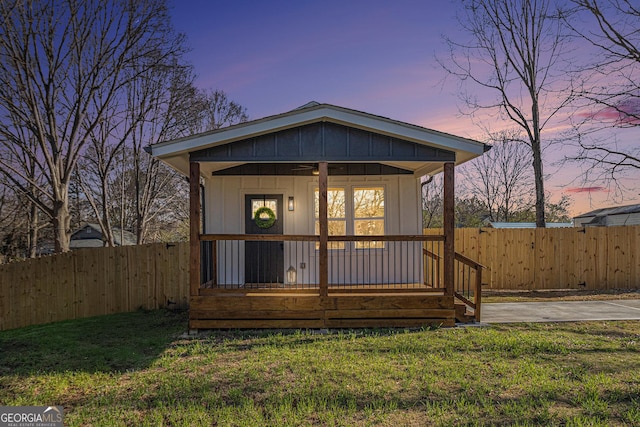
194,228
449,228
323,262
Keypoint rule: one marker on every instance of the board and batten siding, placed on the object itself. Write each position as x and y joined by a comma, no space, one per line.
224,214
224,201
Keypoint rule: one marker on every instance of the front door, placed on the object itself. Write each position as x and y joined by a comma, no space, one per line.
264,260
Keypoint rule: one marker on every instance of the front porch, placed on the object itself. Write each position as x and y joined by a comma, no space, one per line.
399,282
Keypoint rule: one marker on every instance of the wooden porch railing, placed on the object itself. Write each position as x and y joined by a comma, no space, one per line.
469,283
467,280
354,263
398,263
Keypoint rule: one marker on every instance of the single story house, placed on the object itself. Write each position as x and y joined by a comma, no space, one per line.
312,218
609,217
90,236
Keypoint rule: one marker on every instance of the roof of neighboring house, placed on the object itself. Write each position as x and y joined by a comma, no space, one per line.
614,210
528,224
77,241
86,243
247,143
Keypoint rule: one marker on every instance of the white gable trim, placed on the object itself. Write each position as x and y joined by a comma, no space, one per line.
321,113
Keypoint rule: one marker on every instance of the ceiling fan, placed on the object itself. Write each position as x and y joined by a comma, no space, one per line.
314,168
305,167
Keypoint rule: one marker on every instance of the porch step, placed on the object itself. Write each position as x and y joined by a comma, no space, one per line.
462,315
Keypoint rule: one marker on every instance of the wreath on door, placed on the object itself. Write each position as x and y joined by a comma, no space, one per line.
264,217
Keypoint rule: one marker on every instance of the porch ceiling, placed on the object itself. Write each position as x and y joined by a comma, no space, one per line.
309,169
318,132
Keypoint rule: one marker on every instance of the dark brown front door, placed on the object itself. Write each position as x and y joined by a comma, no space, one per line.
264,261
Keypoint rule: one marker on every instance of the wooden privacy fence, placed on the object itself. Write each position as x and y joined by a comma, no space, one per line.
98,281
92,282
554,258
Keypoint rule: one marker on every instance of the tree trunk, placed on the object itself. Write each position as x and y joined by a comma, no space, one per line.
536,148
539,179
32,249
107,229
61,221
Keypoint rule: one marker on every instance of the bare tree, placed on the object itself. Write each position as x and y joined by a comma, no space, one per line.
610,96
501,178
179,111
514,53
218,111
615,76
64,63
114,178
432,201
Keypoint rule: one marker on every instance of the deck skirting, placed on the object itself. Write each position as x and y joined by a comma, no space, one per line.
304,310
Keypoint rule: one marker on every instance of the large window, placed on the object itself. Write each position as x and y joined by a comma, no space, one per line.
368,214
336,214
259,203
358,211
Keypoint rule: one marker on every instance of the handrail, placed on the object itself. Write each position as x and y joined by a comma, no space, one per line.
431,254
476,305
316,238
471,263
436,275
265,237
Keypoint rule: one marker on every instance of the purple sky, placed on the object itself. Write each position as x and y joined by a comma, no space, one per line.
375,56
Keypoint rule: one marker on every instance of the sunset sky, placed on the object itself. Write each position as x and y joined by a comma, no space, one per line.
375,56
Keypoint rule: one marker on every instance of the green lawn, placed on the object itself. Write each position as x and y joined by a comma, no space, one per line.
136,369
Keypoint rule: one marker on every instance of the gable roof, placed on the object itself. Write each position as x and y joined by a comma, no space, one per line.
614,210
246,135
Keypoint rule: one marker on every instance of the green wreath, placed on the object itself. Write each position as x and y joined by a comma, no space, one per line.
264,222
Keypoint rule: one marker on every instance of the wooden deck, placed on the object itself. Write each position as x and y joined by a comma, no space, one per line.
421,299
307,309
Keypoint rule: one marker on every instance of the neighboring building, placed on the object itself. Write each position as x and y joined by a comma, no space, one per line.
527,224
609,217
90,236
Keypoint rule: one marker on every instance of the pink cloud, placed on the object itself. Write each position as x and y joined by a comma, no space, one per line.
587,190
626,113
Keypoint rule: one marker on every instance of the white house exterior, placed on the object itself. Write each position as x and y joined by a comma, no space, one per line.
312,218
368,152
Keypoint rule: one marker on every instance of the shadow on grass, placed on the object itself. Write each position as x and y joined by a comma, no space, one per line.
132,341
113,343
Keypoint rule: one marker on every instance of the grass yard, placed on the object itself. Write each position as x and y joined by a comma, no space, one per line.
137,369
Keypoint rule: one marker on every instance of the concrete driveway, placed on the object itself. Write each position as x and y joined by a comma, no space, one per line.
560,311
